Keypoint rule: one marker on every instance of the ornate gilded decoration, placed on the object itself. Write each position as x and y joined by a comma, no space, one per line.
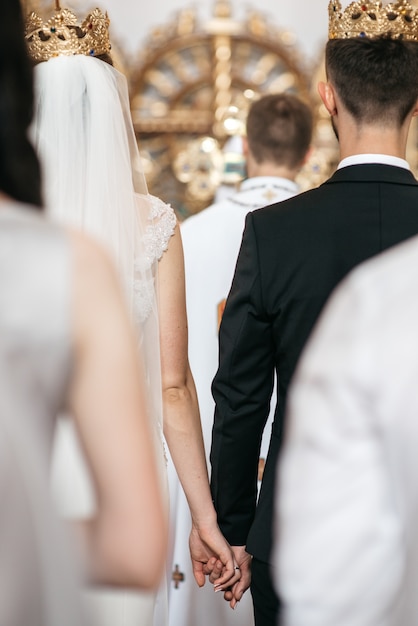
195,81
64,35
200,166
370,19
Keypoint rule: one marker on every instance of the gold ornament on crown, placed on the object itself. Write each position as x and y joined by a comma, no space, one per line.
370,19
64,35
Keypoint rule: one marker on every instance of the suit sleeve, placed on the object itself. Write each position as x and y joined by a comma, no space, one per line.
242,391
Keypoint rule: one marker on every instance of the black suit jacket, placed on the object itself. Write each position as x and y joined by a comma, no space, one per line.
292,256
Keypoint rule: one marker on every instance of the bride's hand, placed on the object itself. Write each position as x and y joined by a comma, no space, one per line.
210,550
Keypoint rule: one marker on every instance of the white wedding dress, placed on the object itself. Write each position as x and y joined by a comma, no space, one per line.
94,180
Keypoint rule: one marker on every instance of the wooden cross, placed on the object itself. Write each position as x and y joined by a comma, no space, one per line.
177,576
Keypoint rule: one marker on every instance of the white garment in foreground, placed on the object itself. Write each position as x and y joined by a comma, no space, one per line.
39,585
347,489
211,241
40,573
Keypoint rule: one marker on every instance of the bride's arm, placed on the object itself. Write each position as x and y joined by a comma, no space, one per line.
126,540
182,426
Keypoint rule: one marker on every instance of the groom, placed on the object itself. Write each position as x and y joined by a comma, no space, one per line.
292,256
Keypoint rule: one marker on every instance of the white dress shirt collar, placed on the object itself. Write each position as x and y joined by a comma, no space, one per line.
382,159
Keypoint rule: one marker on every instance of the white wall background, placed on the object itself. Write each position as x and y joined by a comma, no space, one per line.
133,20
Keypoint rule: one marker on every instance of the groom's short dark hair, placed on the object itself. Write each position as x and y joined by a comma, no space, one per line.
376,79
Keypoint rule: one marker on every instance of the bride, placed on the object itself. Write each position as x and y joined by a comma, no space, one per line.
93,177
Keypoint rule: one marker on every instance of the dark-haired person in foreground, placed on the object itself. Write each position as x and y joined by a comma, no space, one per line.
293,255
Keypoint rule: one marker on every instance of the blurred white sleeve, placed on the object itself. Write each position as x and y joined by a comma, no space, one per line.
338,552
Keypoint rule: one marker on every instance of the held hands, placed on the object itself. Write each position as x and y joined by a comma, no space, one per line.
228,568
234,592
212,555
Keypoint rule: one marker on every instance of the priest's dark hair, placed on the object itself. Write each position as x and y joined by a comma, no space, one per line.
19,166
376,79
279,129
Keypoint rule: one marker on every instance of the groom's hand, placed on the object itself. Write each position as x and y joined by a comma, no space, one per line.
235,592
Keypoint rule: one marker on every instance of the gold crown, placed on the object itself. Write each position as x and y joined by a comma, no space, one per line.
370,19
63,35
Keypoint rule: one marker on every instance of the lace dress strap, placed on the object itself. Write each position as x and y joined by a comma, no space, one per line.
159,227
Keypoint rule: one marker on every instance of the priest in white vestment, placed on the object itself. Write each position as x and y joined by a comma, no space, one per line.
347,490
279,129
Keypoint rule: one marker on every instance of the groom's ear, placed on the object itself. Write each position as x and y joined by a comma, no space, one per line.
327,95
